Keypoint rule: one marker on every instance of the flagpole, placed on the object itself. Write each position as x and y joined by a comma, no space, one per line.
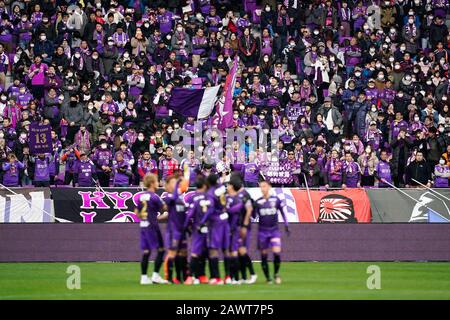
28,201
309,197
434,191
106,194
415,200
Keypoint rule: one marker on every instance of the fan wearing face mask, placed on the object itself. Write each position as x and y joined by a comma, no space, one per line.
410,34
103,159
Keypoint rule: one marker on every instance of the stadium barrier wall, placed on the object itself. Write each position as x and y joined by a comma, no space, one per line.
117,204
89,205
59,242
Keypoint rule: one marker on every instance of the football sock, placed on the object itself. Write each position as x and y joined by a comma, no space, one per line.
265,266
159,261
185,267
214,267
144,263
243,266
195,266
179,267
170,262
226,262
249,264
202,264
234,261
276,262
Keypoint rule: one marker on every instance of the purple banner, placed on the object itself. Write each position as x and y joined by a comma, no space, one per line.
40,138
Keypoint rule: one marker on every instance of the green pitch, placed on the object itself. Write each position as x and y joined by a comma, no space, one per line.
301,280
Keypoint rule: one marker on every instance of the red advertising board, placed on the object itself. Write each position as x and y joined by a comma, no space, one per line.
338,206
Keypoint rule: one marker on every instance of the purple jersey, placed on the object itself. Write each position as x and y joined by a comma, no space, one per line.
42,169
153,204
199,204
250,172
122,173
102,157
441,176
383,171
234,207
11,176
177,211
216,215
267,210
85,170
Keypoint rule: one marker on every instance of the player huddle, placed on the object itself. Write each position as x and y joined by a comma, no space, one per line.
215,219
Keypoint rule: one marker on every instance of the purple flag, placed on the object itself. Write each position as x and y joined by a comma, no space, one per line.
226,114
40,138
196,103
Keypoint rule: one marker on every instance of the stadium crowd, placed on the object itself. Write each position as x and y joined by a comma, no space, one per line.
358,90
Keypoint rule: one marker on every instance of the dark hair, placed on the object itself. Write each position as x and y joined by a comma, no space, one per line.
200,182
212,179
236,182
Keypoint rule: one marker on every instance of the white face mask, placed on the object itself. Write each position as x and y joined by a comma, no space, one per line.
179,29
2,135
235,116
104,145
266,59
357,74
442,161
411,21
43,38
416,119
126,55
70,74
77,55
374,109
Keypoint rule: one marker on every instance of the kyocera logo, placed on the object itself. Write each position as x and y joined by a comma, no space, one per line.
97,200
